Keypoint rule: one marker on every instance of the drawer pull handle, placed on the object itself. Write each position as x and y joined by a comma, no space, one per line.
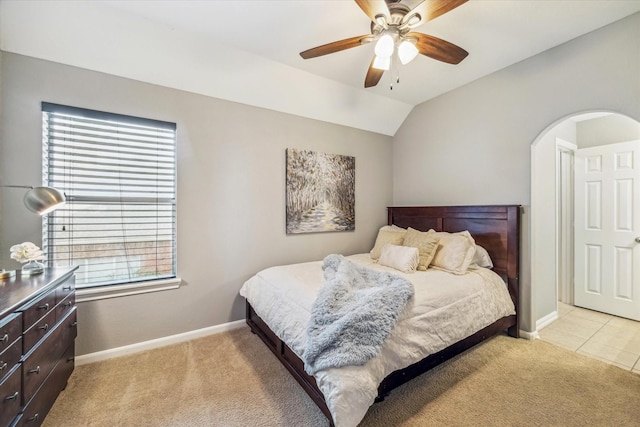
34,418
5,338
3,366
44,307
35,371
45,327
68,304
66,288
14,396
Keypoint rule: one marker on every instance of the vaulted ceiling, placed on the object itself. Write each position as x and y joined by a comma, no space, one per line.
248,51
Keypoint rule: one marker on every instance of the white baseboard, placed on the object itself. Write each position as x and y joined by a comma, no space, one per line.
112,353
546,320
156,343
540,323
529,335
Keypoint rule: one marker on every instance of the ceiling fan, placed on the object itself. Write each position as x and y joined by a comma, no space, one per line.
391,25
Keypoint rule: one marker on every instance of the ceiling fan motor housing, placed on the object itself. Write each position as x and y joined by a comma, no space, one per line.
397,12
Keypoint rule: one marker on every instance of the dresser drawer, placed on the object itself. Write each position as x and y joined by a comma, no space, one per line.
10,357
10,397
66,289
34,413
38,331
69,329
39,309
65,366
65,305
10,330
39,407
37,366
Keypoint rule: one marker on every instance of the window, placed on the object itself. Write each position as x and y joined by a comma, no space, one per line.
119,177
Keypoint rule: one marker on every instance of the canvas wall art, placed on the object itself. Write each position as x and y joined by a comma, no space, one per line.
320,192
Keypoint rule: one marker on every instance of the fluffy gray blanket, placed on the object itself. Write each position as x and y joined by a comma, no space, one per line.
355,311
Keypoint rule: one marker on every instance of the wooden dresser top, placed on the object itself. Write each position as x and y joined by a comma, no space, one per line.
17,291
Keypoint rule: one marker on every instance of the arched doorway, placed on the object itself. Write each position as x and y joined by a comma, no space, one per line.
551,201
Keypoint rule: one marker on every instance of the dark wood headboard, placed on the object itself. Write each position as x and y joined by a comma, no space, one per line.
495,227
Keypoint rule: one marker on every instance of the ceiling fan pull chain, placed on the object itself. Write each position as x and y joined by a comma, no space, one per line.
390,81
395,68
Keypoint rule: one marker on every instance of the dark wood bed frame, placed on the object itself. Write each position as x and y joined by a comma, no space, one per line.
496,228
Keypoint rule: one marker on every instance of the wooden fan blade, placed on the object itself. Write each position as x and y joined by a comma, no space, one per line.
439,49
373,75
374,8
428,10
336,46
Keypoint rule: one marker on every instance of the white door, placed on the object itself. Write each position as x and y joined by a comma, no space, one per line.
607,224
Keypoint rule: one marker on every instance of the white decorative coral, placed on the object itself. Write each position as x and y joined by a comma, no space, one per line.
25,252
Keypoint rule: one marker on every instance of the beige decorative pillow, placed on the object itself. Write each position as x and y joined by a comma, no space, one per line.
455,251
387,234
403,258
427,244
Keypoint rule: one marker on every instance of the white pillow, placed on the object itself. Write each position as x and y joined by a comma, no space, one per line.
455,251
403,258
387,234
481,258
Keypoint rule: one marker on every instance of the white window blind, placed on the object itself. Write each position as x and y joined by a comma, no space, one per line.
119,177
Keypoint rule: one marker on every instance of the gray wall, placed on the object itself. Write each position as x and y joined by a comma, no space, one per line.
231,179
472,145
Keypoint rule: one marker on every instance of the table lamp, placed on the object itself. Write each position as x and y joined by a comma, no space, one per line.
40,200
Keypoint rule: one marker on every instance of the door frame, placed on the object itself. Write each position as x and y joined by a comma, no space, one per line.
564,221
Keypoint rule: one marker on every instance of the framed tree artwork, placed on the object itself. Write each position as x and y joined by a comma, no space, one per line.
320,191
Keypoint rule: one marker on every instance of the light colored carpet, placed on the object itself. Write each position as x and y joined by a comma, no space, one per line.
232,379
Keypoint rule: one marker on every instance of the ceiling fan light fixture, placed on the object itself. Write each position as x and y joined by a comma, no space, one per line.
407,51
381,20
382,62
413,20
384,47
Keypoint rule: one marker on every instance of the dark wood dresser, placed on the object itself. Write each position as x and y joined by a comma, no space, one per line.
37,332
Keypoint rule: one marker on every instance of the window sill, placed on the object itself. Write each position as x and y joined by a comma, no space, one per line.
115,291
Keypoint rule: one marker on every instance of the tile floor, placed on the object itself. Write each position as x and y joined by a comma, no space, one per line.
609,338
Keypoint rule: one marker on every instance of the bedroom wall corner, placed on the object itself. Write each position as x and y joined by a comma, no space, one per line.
473,145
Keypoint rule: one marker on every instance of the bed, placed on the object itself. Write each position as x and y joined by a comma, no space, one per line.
495,228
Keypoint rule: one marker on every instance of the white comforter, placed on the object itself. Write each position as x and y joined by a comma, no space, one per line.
445,309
